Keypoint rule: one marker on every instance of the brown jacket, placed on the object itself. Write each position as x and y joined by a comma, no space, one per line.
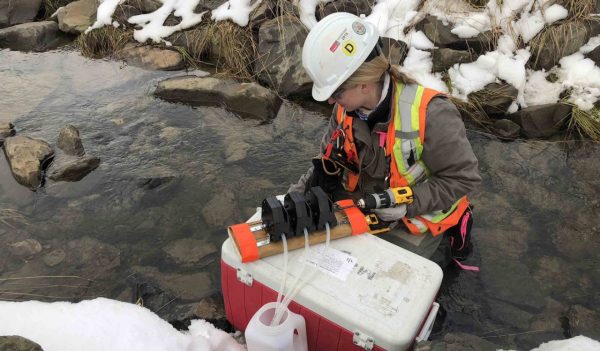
446,152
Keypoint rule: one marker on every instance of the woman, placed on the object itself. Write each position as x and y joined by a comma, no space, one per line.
386,131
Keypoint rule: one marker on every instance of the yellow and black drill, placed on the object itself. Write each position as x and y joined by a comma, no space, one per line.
392,197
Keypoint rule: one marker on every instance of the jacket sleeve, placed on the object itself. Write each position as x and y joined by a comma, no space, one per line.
300,186
449,157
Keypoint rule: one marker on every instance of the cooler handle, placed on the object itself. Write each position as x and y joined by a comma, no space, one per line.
428,325
300,342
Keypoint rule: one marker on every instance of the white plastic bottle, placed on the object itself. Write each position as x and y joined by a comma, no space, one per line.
288,335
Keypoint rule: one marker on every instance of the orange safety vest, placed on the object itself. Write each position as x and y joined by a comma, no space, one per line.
404,140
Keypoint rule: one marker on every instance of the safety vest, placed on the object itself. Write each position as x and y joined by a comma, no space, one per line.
403,147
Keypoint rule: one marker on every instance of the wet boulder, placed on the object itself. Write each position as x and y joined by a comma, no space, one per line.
279,61
495,98
442,36
35,36
507,129
71,164
444,58
542,121
6,130
16,12
71,169
151,58
69,141
249,100
18,343
27,158
77,16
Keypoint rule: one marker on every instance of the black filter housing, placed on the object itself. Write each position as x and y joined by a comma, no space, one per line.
299,213
275,218
321,208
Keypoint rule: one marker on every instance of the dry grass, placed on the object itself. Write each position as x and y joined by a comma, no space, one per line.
103,42
231,48
473,111
50,6
586,122
578,9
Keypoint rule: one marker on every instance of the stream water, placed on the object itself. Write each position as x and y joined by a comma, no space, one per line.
151,218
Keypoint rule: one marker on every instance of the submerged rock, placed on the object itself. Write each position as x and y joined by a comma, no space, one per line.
193,286
151,58
69,141
54,257
25,248
246,99
77,16
35,36
456,342
27,157
18,343
191,252
91,257
16,12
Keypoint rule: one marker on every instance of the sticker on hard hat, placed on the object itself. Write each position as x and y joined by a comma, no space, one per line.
359,28
334,46
349,47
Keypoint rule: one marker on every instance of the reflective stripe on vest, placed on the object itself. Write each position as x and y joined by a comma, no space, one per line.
404,143
407,131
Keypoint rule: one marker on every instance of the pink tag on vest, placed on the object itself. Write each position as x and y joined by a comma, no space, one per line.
382,137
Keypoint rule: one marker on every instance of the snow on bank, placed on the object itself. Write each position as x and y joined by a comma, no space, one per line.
102,324
514,18
578,343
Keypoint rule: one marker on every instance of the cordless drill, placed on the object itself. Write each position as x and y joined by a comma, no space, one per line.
392,197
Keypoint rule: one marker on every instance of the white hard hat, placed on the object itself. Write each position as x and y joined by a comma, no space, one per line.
334,48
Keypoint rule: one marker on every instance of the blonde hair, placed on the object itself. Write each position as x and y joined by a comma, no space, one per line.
373,72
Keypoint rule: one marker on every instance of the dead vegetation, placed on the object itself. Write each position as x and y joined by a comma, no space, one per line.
586,122
49,7
227,46
103,42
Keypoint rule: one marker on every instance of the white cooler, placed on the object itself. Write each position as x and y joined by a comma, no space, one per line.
366,293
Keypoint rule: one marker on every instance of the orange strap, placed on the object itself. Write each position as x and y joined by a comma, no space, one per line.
349,147
357,219
245,242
